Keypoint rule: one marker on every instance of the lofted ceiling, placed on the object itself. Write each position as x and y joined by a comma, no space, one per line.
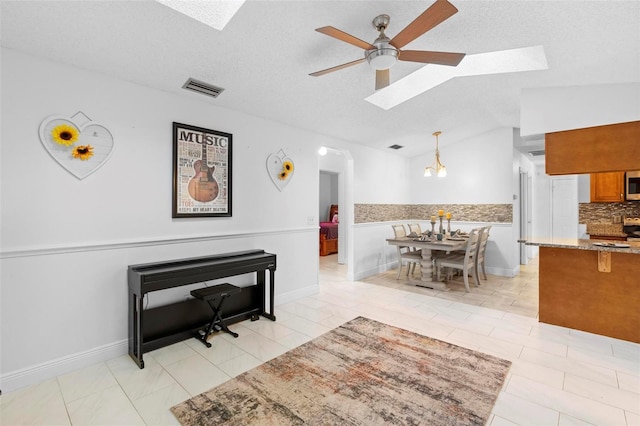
264,55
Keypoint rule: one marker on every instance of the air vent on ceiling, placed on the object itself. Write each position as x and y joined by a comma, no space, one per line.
536,153
202,87
396,146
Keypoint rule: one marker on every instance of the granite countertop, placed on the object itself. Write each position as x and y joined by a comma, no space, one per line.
574,243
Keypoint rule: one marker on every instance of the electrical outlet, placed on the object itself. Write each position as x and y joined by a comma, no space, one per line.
311,220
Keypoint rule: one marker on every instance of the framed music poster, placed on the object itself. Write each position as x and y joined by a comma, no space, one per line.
201,172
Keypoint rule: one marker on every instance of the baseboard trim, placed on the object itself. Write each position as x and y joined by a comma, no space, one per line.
296,294
360,275
18,379
502,272
47,370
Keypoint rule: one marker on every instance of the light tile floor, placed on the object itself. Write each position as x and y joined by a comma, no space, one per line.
559,376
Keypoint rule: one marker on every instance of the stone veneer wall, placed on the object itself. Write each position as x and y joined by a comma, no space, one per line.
604,212
366,213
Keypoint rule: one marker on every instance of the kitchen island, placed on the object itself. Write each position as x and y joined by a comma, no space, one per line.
590,285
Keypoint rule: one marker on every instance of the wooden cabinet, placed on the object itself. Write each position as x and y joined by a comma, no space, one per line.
607,237
607,187
574,293
610,148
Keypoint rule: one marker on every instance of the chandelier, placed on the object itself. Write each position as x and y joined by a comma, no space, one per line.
437,166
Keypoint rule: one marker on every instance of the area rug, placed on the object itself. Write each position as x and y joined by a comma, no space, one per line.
361,373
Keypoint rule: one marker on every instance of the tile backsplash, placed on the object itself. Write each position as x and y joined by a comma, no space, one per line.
366,213
607,212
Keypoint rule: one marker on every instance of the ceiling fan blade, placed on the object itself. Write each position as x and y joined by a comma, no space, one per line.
434,15
382,78
336,68
441,58
341,35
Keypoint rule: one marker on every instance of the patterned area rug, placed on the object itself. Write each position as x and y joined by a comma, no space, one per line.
361,373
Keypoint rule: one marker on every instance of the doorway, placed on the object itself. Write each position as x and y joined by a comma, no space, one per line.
339,163
328,194
328,199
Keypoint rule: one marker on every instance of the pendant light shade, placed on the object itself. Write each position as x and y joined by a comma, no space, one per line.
437,166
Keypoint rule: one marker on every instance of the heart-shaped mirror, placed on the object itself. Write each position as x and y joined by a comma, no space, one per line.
79,145
280,169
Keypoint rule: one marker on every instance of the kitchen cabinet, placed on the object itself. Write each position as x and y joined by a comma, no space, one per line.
575,293
607,187
607,237
609,148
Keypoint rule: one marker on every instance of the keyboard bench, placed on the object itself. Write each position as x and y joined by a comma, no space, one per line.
215,297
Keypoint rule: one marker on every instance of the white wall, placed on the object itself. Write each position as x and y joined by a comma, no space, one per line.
130,197
584,188
478,171
522,162
380,177
552,109
66,243
542,203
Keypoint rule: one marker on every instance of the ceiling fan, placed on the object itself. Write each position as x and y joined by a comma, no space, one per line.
384,52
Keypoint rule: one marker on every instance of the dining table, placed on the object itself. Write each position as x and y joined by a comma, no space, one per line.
427,245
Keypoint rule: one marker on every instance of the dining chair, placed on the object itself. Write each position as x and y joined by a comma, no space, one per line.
405,253
415,227
482,246
464,262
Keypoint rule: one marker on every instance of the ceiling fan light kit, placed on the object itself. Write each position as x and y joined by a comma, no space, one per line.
384,56
385,52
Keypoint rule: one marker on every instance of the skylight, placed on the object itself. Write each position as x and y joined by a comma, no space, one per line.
430,76
214,13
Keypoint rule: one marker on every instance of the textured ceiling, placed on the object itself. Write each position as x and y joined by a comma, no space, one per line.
264,55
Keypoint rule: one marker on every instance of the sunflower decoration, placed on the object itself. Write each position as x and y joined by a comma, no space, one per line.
83,152
64,134
287,169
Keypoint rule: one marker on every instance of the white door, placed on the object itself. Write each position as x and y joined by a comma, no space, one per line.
564,207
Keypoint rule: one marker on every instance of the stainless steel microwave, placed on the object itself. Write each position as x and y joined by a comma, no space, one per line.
632,185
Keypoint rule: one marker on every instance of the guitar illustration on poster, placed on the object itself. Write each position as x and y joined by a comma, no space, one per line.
203,186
